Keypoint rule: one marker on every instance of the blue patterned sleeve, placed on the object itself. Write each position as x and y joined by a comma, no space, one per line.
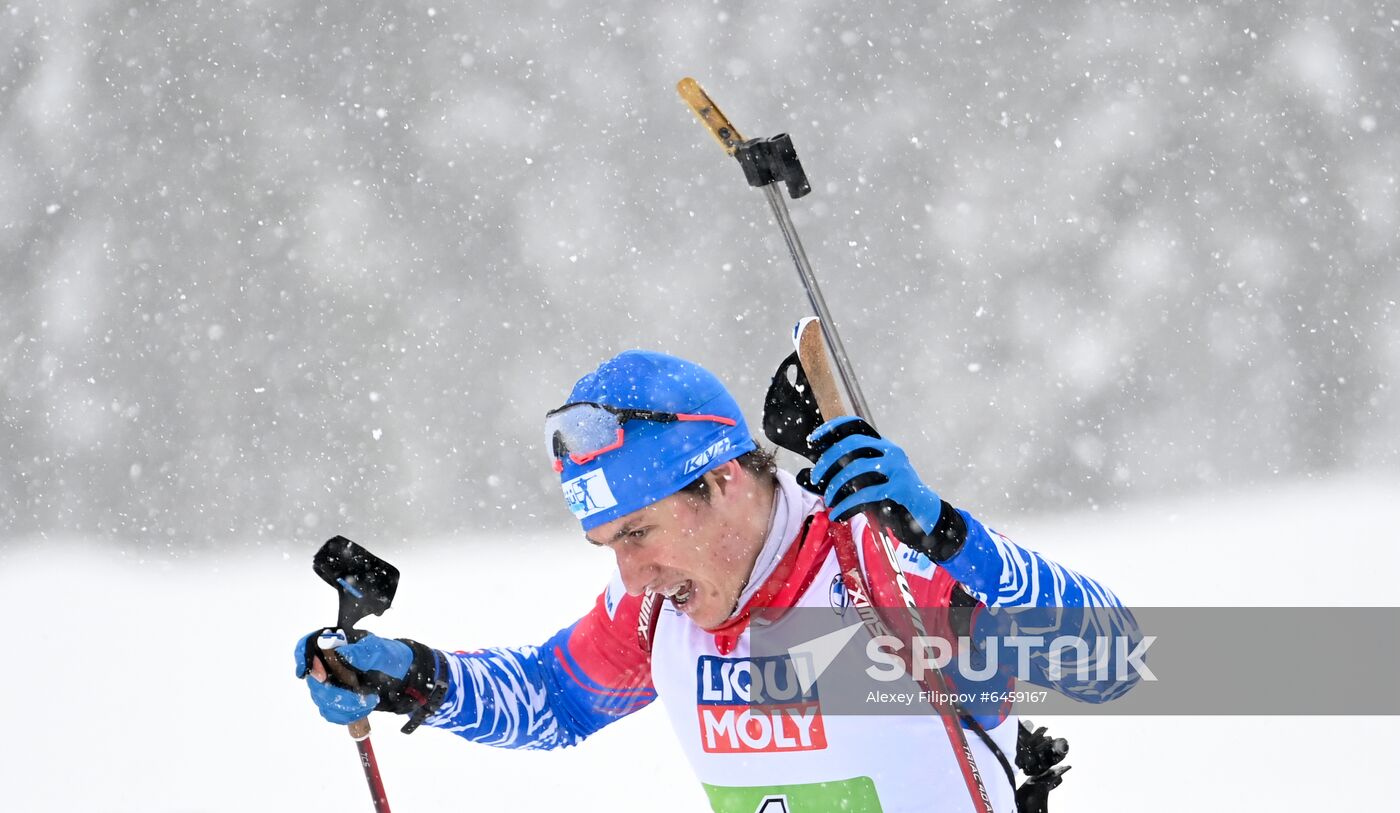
585,677
1052,602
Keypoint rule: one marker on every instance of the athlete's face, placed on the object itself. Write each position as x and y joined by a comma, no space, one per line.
697,553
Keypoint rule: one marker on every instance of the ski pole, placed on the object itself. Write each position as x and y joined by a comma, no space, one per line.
765,162
371,766
359,732
813,356
365,585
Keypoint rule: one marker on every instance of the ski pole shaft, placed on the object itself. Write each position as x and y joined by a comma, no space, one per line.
844,369
360,731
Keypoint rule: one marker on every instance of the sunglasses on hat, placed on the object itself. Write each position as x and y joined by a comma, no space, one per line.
584,430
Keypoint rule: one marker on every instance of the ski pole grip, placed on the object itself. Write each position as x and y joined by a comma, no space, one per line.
346,676
359,729
709,114
337,668
816,363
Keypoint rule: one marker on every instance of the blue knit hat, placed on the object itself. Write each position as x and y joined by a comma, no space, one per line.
656,459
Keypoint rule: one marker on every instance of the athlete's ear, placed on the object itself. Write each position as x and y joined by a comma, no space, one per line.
724,477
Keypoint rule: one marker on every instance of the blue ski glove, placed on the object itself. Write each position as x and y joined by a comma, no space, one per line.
372,674
858,470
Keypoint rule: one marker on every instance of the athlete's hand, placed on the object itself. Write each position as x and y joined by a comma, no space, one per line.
348,681
858,470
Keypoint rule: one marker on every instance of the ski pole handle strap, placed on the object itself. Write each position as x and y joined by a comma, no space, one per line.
427,691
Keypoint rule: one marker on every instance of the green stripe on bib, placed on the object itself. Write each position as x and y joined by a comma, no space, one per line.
842,796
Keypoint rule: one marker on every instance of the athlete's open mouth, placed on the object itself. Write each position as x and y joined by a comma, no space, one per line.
679,594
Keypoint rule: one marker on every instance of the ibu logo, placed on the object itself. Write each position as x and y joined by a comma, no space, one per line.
588,494
749,705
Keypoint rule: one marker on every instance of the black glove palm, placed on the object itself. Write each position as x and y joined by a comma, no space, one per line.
790,412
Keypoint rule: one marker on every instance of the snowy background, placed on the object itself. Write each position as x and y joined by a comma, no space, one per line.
275,271
271,270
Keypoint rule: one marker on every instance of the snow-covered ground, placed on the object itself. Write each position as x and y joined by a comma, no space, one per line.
167,686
